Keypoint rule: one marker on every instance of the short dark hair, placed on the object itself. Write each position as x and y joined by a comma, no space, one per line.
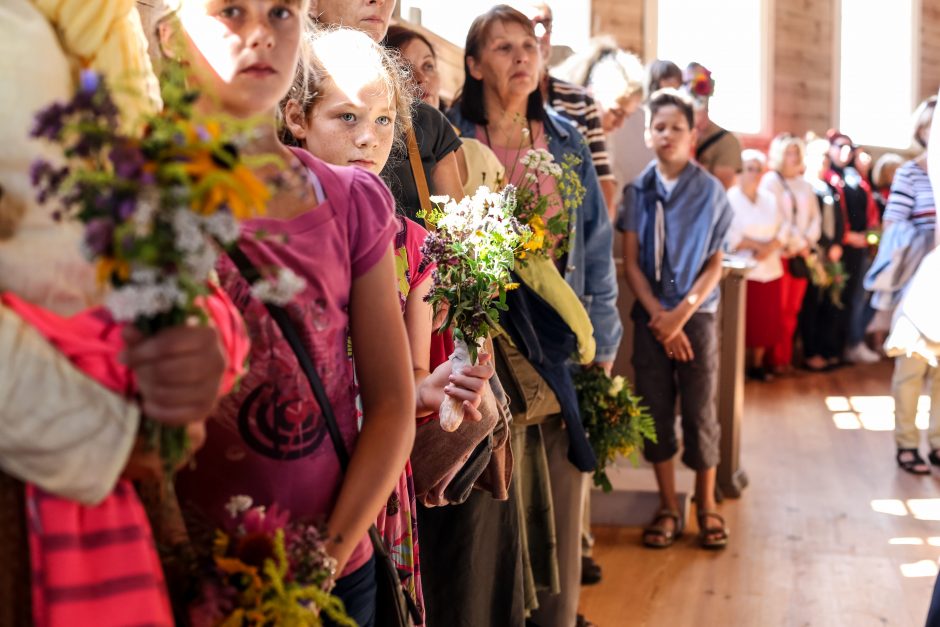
670,97
470,100
660,70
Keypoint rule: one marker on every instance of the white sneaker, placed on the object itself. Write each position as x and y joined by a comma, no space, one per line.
861,354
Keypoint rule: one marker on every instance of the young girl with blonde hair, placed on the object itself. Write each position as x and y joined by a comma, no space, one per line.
349,106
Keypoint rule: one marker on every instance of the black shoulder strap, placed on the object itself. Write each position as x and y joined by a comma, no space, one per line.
289,331
708,143
786,188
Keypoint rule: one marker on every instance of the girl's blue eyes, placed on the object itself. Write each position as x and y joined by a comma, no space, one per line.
234,12
383,120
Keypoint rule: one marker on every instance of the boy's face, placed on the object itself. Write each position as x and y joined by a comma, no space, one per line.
670,136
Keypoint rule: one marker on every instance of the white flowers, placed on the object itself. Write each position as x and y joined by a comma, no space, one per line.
140,300
280,289
541,161
616,385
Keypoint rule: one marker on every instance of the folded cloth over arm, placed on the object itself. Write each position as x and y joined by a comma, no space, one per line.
59,428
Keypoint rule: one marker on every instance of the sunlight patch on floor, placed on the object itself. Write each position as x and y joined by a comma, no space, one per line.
923,568
924,509
872,413
893,507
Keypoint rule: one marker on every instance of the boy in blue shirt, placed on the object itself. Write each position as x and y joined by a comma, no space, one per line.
674,218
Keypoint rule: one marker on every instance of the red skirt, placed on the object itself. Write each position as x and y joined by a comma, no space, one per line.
764,314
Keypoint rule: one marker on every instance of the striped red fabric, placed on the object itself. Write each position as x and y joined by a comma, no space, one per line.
94,565
98,565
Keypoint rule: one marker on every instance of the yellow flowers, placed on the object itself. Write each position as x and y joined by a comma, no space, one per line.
108,267
537,241
216,185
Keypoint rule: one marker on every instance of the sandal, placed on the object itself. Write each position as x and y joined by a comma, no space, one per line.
934,457
657,535
909,460
712,538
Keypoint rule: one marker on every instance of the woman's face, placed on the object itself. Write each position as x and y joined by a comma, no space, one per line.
424,66
841,152
243,52
792,161
508,64
751,172
352,124
370,16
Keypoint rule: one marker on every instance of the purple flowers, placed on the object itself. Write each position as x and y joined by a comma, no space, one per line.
99,235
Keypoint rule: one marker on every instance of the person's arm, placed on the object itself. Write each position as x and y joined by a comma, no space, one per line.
59,429
384,371
432,387
609,189
669,323
445,178
600,274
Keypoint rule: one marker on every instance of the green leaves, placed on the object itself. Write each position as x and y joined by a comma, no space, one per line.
614,419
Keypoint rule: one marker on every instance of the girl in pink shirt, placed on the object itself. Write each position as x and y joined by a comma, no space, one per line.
333,227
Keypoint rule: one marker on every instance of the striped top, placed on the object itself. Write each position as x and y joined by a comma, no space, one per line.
911,198
574,103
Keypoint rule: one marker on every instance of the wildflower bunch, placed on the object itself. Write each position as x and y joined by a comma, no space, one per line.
615,421
474,244
547,215
267,570
157,206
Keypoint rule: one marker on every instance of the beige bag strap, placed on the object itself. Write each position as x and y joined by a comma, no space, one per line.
417,171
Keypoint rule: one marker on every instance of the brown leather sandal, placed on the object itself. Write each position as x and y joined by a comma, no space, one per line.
715,538
657,536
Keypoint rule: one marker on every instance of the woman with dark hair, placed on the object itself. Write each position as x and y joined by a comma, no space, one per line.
501,105
419,53
662,74
860,215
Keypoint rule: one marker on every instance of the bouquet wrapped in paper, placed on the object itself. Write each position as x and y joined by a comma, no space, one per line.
474,245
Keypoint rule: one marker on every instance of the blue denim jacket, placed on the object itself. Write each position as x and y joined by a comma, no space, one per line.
590,271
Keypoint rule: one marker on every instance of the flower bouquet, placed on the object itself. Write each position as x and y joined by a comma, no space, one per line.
156,206
829,276
474,244
613,418
267,570
547,215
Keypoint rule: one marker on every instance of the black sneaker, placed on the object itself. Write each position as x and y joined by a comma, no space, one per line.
590,571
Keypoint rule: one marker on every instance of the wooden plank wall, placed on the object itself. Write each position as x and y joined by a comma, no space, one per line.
803,56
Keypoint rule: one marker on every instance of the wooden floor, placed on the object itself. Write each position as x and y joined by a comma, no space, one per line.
829,532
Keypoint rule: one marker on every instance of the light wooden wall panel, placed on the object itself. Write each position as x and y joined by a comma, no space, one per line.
930,48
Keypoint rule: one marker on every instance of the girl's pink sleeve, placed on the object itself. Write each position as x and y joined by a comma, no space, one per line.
233,336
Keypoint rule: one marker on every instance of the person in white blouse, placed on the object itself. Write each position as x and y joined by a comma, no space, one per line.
759,230
797,201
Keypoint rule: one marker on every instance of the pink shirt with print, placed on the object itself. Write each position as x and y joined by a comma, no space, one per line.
268,439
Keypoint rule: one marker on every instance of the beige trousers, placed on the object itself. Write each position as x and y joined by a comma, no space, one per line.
907,384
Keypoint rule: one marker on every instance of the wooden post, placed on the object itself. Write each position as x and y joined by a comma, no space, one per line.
731,477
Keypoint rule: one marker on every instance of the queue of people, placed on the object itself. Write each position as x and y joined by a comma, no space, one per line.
488,524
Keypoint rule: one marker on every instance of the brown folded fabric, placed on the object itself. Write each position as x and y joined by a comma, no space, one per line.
438,454
16,608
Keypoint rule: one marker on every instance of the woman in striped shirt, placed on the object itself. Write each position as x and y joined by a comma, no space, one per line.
912,203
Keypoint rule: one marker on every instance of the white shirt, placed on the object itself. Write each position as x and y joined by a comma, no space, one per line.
805,220
761,221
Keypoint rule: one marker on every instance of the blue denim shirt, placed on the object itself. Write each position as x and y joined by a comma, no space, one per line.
590,269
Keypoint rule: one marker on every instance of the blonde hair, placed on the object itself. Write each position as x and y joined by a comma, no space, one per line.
326,47
778,149
750,154
879,174
602,65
